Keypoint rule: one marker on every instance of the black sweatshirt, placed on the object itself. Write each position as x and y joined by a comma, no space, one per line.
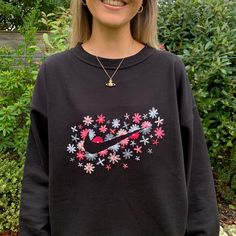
130,160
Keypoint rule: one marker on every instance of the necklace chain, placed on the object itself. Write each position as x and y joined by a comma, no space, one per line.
110,82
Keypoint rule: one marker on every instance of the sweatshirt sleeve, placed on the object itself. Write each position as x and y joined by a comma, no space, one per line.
34,210
202,205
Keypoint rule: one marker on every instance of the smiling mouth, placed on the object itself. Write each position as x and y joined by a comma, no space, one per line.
115,3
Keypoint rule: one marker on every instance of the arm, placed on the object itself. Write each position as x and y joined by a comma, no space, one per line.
203,213
34,211
202,206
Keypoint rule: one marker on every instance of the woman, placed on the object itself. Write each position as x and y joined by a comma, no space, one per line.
116,146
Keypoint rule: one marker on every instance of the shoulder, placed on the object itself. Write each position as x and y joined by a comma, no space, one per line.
58,59
168,58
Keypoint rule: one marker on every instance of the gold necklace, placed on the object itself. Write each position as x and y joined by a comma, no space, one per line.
110,82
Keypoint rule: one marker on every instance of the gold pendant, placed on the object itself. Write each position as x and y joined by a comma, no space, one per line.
110,84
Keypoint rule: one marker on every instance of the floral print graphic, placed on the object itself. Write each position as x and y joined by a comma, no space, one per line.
141,131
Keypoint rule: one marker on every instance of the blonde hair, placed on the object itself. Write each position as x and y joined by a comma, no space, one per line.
143,25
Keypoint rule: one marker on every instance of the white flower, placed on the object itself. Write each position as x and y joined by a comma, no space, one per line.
127,153
116,123
159,121
149,150
144,140
91,134
71,148
88,120
115,147
114,158
108,137
153,113
90,156
74,138
89,168
74,129
134,128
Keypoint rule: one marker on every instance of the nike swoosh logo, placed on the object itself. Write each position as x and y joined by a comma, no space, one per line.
92,147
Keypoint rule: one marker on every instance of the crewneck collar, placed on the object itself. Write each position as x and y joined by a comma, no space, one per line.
108,63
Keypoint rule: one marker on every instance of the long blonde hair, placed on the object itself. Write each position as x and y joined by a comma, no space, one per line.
143,25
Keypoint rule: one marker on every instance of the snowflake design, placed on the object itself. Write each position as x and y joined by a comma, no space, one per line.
153,113
144,140
133,143
121,132
88,120
145,116
146,131
89,168
74,129
159,132
100,119
149,151
137,118
127,116
100,161
71,148
134,128
125,166
113,158
112,131
116,123
159,121
155,142
84,133
115,147
108,167
137,149
103,129
80,126
80,146
109,137
124,142
103,153
146,124
74,138
127,154
80,155
126,125
91,134
90,156
80,165
146,127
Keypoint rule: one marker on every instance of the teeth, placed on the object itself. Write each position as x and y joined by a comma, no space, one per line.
114,3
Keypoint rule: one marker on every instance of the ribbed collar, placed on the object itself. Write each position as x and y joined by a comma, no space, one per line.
108,63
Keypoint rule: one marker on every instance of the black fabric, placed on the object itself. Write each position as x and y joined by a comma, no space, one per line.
156,180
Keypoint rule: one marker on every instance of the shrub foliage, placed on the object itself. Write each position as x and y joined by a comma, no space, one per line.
203,33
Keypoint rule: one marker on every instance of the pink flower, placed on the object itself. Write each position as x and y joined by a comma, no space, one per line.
159,132
100,119
80,155
137,118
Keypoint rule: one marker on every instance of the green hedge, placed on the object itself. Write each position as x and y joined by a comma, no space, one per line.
201,32
12,12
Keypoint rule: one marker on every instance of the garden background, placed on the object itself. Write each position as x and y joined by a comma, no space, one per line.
201,32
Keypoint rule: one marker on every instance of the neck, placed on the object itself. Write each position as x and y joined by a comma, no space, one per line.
111,42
